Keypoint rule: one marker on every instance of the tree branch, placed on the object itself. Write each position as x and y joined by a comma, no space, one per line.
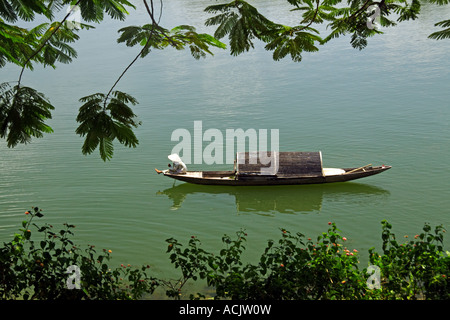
313,18
45,42
154,24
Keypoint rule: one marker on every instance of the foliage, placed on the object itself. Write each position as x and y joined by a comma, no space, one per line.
291,268
443,34
298,268
102,122
243,23
23,111
47,42
32,269
156,37
414,269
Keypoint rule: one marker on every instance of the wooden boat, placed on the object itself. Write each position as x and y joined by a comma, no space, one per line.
292,168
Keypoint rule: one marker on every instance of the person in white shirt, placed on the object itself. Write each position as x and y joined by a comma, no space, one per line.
178,166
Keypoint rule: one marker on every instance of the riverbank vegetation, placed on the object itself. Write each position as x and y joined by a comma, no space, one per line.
40,263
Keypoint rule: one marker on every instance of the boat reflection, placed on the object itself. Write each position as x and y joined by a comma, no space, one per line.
280,199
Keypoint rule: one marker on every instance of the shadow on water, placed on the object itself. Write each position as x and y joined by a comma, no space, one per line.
279,199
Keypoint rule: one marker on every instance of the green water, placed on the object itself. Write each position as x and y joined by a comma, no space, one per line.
387,104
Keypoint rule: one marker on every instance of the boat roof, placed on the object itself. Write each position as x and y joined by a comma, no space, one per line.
279,163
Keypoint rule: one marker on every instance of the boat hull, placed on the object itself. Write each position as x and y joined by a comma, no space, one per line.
228,178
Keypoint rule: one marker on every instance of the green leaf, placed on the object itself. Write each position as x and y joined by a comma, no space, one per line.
154,37
16,44
106,148
440,2
241,22
101,123
23,111
12,10
443,34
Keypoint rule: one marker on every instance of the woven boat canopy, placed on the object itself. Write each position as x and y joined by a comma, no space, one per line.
302,164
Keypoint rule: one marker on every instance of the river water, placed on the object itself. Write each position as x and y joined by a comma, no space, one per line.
387,104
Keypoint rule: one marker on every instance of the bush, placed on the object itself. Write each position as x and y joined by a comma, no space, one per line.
415,269
298,268
45,269
291,268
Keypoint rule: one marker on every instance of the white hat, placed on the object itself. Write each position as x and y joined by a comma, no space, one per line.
174,157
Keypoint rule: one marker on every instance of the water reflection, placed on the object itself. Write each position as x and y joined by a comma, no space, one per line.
280,199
